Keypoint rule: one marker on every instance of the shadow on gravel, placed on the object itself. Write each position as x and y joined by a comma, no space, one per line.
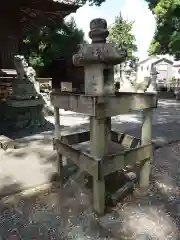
67,214
26,132
57,214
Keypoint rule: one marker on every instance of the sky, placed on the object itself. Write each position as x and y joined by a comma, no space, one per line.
135,10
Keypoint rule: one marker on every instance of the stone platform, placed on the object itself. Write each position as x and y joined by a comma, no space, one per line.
18,114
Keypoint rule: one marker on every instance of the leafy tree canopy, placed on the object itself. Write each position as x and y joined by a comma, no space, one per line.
46,44
166,38
92,2
120,34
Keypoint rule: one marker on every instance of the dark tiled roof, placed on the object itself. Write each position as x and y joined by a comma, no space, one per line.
45,12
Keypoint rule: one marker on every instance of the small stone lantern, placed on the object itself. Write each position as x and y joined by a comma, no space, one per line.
128,71
153,85
98,60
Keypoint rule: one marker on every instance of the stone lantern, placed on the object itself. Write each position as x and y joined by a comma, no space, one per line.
153,85
98,60
101,151
127,72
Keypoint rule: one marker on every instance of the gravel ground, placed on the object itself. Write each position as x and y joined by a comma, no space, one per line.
67,214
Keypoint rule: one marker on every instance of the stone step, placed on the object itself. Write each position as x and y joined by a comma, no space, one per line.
6,143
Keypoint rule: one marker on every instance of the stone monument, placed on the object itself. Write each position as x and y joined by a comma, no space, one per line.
127,81
101,151
131,83
25,106
25,85
153,84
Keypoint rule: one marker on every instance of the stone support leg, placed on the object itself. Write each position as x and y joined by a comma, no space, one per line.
99,136
146,137
58,136
99,195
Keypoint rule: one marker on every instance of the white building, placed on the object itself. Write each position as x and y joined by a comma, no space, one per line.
165,66
177,69
144,67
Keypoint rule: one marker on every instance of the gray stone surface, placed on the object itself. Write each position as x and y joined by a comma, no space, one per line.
166,119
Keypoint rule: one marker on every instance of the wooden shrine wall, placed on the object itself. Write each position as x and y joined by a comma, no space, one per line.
63,70
9,38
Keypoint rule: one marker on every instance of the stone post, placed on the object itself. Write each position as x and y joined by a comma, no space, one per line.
146,134
99,81
146,138
58,136
57,123
98,60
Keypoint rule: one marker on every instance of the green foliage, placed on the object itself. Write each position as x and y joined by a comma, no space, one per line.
166,38
120,34
46,44
36,60
173,79
91,2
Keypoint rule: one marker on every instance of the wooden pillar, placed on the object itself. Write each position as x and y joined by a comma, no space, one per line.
11,31
58,136
99,137
146,138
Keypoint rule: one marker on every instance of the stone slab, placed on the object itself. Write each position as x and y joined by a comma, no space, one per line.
6,142
32,164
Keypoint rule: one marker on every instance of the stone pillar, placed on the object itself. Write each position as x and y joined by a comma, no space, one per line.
146,138
98,60
98,146
146,134
58,136
99,80
57,123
